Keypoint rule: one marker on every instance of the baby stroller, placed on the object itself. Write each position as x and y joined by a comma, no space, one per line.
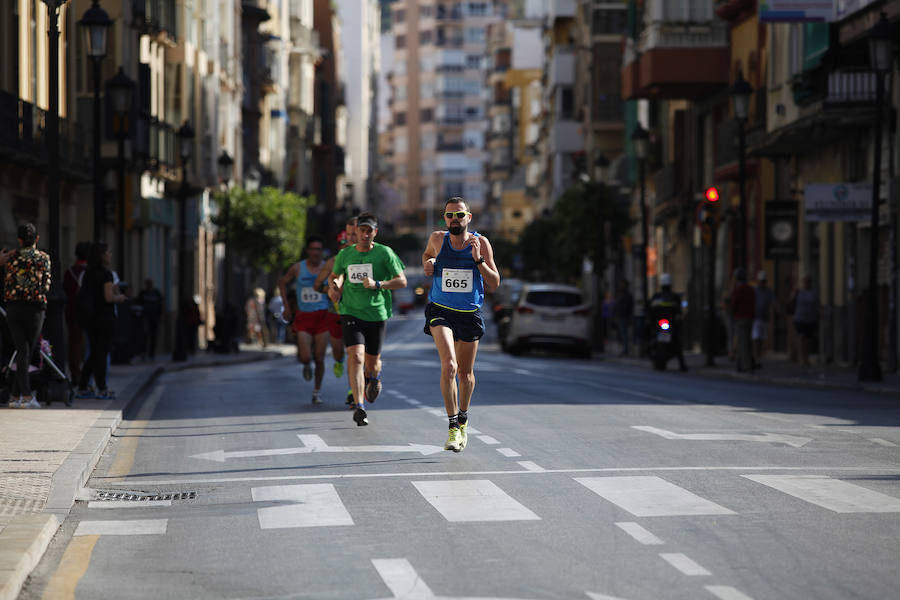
49,383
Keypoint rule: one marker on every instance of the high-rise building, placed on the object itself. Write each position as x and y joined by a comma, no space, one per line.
439,106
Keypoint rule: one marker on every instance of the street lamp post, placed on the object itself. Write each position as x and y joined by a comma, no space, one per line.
185,135
641,140
54,326
225,163
95,24
881,48
121,89
740,96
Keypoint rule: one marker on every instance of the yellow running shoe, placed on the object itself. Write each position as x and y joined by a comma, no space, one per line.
338,369
463,435
452,440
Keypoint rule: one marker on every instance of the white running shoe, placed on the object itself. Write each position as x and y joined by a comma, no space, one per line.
315,397
33,403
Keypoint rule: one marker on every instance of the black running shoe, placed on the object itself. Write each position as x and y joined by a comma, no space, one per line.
373,388
359,415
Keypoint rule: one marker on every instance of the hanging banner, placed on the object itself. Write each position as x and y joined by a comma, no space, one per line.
837,201
796,11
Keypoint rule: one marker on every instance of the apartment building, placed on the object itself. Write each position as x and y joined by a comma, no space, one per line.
440,116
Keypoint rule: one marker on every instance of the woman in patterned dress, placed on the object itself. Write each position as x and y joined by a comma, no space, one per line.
26,286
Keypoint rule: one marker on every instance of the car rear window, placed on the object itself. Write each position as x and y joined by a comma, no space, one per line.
556,299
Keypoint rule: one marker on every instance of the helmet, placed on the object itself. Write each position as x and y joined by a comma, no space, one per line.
665,279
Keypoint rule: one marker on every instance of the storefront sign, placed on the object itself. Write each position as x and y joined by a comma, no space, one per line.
837,202
796,11
781,229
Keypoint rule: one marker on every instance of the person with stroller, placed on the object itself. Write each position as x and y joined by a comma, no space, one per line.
26,285
95,303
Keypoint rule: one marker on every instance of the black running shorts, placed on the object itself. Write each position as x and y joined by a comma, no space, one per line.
356,331
466,326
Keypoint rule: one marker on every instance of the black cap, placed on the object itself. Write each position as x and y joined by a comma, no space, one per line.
367,220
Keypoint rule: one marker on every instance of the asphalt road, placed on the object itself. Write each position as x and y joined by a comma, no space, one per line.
581,480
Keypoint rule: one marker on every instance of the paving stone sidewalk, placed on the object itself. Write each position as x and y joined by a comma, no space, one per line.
46,456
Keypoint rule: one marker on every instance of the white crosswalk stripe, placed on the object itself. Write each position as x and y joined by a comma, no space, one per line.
473,500
130,527
833,494
312,505
651,496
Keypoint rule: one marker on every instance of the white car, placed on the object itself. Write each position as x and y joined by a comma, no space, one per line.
550,315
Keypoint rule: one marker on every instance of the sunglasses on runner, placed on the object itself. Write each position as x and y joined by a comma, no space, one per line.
460,214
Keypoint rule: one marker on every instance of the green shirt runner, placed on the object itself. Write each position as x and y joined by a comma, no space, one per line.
380,263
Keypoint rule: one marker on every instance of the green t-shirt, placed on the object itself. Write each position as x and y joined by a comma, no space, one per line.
380,263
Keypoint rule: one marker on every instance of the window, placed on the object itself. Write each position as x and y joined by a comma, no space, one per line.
608,21
400,41
477,9
425,37
400,118
474,61
567,103
426,115
474,35
399,16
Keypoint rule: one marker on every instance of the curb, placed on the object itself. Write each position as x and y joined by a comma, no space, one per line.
25,539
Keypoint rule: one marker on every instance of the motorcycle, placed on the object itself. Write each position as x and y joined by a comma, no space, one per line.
662,345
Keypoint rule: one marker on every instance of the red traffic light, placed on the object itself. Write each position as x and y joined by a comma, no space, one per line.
712,194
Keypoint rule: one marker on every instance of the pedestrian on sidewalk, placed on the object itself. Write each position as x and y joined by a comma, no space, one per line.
361,279
805,305
764,307
743,309
255,311
99,295
26,285
152,301
622,314
71,284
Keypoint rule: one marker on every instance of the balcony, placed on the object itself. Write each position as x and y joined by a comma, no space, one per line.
562,68
677,61
561,9
22,141
850,87
566,136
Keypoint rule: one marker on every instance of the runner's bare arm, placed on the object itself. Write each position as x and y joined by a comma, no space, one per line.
289,276
395,283
324,272
432,248
481,248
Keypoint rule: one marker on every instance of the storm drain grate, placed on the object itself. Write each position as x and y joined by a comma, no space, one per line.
140,496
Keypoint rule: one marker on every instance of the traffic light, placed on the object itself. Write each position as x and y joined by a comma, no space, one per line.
712,194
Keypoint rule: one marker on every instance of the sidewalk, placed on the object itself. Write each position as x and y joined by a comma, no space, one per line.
776,369
47,455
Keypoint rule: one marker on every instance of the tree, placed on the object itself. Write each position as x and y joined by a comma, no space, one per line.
268,226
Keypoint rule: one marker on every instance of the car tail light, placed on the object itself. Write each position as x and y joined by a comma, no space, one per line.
524,310
664,324
583,312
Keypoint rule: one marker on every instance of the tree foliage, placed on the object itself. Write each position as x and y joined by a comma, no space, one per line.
268,226
553,247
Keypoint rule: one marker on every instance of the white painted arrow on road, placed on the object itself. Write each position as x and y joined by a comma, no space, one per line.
791,440
315,444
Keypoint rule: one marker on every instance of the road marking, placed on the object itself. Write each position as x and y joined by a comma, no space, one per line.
413,402
833,494
522,372
129,434
130,481
434,411
596,596
310,505
473,500
639,533
530,466
488,440
883,442
473,431
72,567
726,592
401,578
651,496
790,440
508,452
128,503
134,527
684,564
314,444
